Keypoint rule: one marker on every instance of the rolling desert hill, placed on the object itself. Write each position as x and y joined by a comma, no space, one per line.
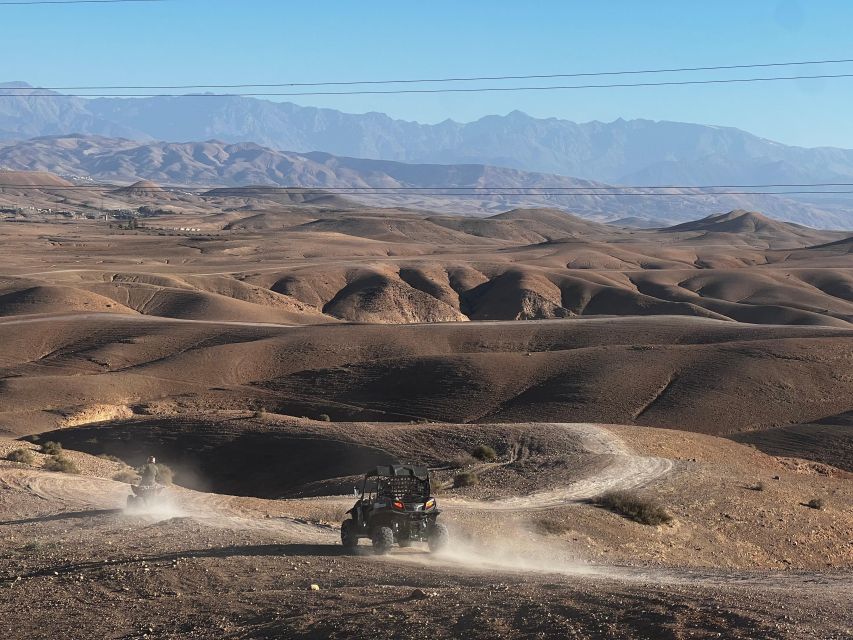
270,344
302,305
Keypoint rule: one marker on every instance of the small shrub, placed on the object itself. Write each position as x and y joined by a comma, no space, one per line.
633,507
485,453
106,456
61,464
24,456
815,503
758,486
128,476
51,448
465,479
165,474
461,461
324,417
551,527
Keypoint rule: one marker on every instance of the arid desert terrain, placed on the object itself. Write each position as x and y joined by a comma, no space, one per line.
269,345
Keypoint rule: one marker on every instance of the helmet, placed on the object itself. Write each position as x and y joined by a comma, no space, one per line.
152,460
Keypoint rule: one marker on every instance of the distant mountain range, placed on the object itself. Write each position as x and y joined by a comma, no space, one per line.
636,152
215,163
641,152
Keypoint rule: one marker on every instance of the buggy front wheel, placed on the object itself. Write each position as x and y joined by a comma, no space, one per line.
348,535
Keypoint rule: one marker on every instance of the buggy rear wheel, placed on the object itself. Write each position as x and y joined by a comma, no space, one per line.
348,536
439,537
383,539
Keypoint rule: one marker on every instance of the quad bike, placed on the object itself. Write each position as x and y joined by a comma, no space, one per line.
395,507
144,495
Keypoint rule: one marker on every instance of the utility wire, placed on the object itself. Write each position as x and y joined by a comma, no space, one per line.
452,79
36,2
260,94
544,189
320,191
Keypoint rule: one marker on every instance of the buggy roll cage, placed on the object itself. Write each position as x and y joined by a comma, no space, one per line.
398,480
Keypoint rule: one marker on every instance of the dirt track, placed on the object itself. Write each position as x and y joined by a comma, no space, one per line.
242,567
624,470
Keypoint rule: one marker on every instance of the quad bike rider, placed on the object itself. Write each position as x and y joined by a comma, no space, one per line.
395,506
148,489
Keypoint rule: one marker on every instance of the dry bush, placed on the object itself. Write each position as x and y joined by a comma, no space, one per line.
61,464
106,456
758,486
485,453
815,503
24,456
128,476
324,417
551,526
461,461
465,479
51,448
633,507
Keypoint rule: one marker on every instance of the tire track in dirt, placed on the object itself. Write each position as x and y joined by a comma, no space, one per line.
624,470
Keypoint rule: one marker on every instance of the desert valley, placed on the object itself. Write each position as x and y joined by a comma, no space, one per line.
270,344
445,321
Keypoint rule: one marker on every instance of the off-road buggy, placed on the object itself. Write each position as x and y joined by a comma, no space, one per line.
395,506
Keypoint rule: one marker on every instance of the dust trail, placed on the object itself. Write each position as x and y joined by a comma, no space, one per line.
517,550
214,510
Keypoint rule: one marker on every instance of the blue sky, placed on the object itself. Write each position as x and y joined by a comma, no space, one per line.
231,41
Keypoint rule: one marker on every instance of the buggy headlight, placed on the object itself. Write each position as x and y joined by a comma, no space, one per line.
429,504
399,505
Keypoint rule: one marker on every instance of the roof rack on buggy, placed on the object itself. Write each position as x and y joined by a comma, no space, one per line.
398,471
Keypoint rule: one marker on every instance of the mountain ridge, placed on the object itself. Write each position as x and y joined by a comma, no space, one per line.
424,186
639,151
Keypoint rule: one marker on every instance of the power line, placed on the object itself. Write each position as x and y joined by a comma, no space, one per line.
520,192
259,94
35,2
451,79
261,188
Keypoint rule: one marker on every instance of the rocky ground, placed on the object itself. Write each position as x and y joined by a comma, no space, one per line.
74,564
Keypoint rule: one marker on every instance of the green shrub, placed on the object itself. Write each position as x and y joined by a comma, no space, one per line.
128,476
815,503
465,479
485,453
633,507
51,448
61,464
24,456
